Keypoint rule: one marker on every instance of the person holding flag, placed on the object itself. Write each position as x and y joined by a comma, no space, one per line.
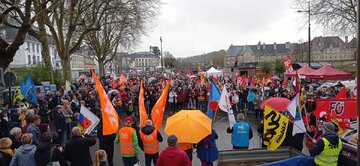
241,133
149,142
327,149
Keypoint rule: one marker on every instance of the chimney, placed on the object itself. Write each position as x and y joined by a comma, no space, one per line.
264,46
275,46
258,45
346,39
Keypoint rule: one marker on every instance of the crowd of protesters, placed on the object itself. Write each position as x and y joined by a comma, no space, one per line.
39,134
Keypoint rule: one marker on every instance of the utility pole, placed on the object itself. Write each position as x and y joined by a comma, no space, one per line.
358,82
309,33
161,55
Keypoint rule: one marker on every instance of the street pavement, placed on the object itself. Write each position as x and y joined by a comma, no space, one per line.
223,143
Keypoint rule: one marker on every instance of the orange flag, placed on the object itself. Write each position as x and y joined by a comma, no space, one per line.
157,113
110,118
142,110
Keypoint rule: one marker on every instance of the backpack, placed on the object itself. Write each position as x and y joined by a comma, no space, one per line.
52,163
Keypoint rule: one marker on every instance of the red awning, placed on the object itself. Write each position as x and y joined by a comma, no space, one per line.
302,71
329,73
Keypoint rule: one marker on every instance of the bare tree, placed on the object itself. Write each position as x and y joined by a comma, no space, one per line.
122,27
70,22
333,16
38,31
20,13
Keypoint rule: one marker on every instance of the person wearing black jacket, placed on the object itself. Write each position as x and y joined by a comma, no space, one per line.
43,151
60,123
327,149
294,141
146,132
106,142
77,149
44,109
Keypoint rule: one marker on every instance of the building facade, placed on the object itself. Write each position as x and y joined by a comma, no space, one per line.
330,49
82,61
145,61
30,52
240,54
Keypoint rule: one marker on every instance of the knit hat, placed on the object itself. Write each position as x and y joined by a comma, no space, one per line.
129,119
172,140
329,126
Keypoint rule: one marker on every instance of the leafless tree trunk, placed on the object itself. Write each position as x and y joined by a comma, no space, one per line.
22,11
40,9
122,26
71,22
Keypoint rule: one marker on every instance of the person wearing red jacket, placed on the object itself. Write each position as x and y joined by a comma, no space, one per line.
172,155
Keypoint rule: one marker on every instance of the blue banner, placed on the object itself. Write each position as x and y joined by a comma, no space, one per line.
214,96
28,90
299,160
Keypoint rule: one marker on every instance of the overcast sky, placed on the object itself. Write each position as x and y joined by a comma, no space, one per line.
193,27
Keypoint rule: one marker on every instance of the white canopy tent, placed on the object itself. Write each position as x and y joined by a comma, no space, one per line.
213,71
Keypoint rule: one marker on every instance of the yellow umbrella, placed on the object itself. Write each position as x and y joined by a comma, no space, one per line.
190,126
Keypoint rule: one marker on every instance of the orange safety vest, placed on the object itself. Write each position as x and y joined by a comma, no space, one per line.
151,144
201,96
185,146
126,142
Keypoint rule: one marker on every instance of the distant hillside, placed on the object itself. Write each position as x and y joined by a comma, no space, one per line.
215,57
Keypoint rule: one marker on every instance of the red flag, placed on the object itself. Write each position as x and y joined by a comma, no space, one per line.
199,69
336,108
288,64
157,113
110,118
114,84
142,110
253,82
341,94
188,73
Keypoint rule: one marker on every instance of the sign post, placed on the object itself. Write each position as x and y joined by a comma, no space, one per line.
9,79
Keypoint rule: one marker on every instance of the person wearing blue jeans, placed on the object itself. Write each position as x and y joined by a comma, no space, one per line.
250,98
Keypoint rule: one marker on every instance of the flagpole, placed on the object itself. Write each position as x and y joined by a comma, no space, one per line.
299,127
215,115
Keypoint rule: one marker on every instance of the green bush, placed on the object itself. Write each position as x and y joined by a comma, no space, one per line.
39,73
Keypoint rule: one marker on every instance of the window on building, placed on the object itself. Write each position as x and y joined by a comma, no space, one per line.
38,58
29,59
33,47
28,46
37,48
34,59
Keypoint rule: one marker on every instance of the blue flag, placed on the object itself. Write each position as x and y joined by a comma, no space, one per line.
29,90
23,87
213,97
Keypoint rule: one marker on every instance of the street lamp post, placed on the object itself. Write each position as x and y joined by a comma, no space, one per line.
357,76
309,35
161,55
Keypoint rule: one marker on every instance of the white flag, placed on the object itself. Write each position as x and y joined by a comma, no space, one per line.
294,109
88,117
67,87
294,103
231,117
224,105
